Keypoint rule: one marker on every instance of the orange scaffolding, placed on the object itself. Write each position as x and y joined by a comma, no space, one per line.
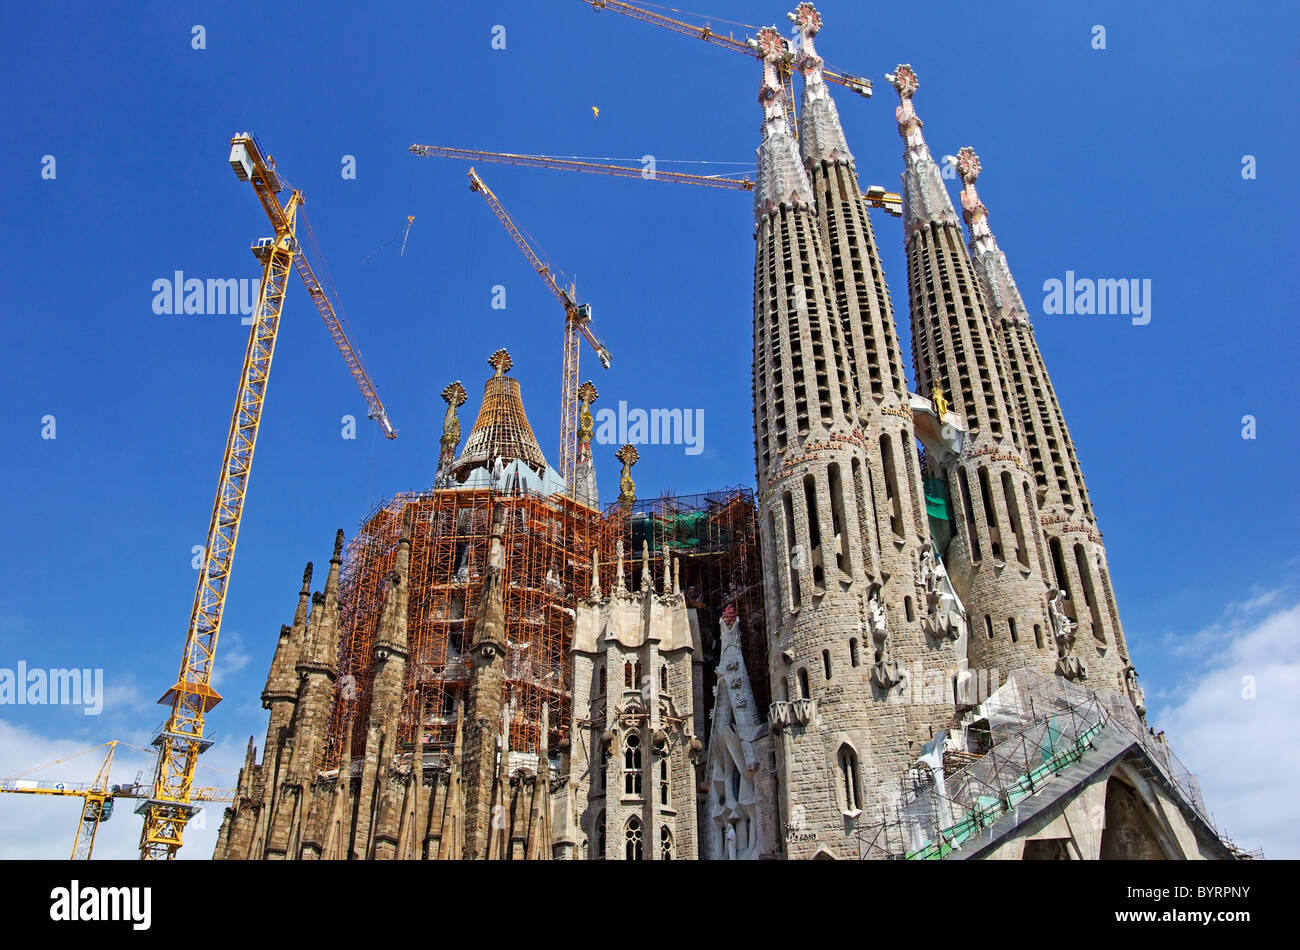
549,542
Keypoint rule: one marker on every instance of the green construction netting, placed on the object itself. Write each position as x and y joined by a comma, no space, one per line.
936,498
690,530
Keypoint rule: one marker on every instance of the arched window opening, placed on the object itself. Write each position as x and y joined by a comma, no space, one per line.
787,508
803,683
632,839
995,533
627,675
842,559
968,506
826,663
814,531
853,651
988,626
663,678
665,844
848,762
603,678
600,834
632,764
663,779
1013,509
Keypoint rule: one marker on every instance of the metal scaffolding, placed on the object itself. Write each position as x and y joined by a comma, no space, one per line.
548,541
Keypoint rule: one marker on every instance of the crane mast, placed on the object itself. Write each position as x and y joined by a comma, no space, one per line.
97,797
577,318
181,739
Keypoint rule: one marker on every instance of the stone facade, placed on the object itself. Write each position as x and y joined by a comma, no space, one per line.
634,754
887,626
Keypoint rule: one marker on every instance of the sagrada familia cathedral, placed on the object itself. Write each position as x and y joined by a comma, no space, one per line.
903,644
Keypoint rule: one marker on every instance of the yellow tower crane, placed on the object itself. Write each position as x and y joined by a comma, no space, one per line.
97,797
577,320
856,84
875,196
181,739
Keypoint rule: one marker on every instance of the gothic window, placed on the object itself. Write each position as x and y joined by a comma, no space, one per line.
963,487
842,559
663,678
632,839
603,678
803,683
663,779
1013,508
604,763
665,844
848,762
891,486
627,675
636,674
632,764
814,530
995,534
787,503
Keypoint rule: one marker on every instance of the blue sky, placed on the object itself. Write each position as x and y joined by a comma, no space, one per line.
1123,162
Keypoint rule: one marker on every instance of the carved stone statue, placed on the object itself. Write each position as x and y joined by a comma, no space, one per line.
730,835
1062,625
876,620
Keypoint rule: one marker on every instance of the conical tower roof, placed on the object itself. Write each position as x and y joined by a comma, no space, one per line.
501,429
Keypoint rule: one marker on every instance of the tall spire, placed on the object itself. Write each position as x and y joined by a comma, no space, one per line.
821,136
1076,555
996,557
924,197
1000,291
781,178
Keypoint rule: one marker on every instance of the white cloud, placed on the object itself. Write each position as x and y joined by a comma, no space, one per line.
1242,749
38,826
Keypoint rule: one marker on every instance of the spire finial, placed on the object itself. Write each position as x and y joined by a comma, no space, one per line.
972,209
621,584
306,578
647,578
809,22
500,362
782,182
925,199
629,456
586,423
595,574
338,547
454,396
